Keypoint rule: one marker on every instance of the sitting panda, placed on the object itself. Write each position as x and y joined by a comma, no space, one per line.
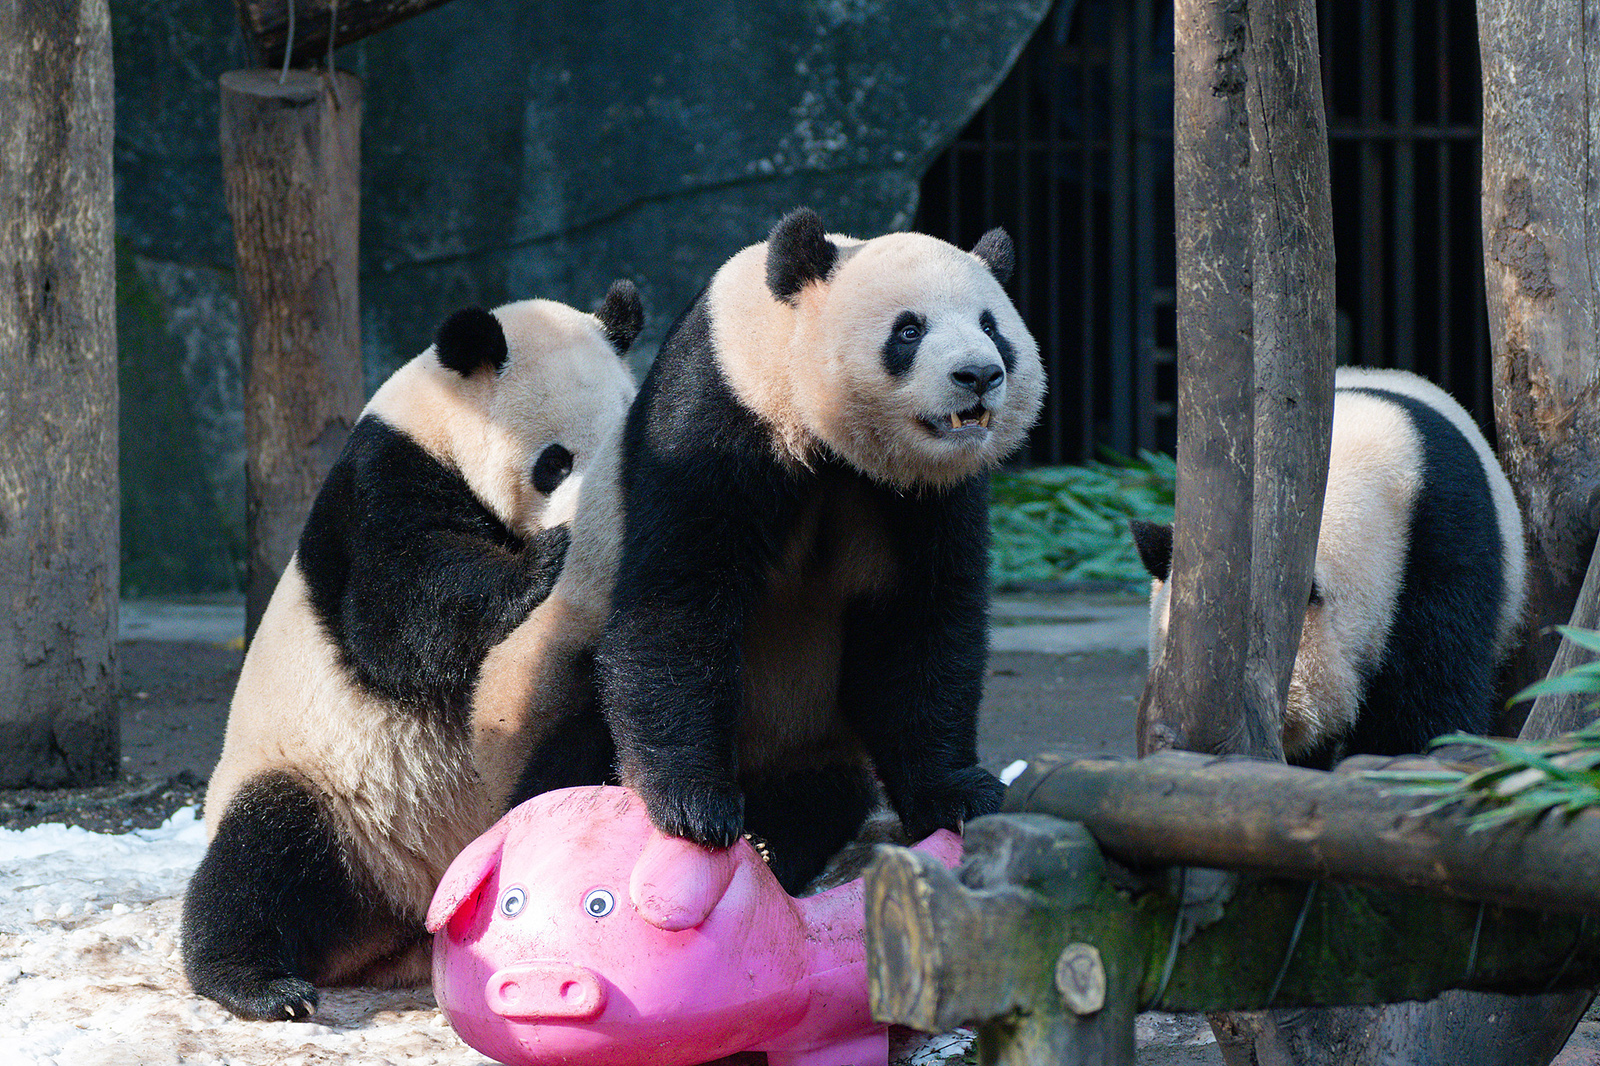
1419,576
778,582
353,767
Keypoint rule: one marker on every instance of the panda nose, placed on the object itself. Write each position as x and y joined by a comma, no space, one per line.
978,378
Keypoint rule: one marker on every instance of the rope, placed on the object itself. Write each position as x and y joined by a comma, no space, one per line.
1294,942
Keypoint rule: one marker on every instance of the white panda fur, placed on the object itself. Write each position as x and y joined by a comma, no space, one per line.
341,728
793,533
1357,686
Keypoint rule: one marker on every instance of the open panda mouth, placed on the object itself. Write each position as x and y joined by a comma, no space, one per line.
973,422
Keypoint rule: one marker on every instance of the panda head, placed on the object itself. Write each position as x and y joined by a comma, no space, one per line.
519,398
903,355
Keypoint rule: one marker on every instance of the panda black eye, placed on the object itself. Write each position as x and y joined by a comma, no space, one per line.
551,468
909,333
986,323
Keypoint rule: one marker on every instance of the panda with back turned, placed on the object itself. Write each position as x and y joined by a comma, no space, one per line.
779,572
1419,577
355,764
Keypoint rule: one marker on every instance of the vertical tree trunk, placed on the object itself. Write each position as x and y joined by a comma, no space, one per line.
1540,124
291,159
1208,639
1294,321
1293,316
59,537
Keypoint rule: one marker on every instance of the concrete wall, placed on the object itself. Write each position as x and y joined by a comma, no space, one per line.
510,149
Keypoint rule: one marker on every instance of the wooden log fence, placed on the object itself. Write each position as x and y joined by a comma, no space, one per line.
1053,934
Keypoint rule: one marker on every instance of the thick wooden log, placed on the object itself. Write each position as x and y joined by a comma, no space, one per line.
990,952
1180,808
59,534
988,943
1202,666
1292,290
291,159
1541,141
270,26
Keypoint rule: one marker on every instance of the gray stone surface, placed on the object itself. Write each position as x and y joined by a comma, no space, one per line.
514,149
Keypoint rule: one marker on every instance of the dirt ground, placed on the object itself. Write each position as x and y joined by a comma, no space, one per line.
175,693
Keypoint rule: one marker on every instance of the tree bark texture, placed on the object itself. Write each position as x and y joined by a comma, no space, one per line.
1541,149
291,160
1169,810
1292,290
1203,665
59,508
267,25
1556,713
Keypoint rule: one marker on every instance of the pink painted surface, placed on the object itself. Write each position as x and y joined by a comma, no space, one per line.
573,933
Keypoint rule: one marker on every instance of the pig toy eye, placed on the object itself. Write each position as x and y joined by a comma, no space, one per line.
598,903
511,903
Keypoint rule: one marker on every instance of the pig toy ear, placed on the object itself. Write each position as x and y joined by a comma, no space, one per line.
467,872
676,883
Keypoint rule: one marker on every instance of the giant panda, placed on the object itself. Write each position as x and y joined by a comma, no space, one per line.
778,582
1419,577
353,768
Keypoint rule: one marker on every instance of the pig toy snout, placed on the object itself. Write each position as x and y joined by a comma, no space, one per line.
554,990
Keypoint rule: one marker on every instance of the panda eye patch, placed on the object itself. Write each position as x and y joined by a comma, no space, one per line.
986,323
551,468
905,336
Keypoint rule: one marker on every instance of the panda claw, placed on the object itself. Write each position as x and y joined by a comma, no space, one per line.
711,816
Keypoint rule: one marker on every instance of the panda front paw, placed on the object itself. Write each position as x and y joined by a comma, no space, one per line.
967,793
709,815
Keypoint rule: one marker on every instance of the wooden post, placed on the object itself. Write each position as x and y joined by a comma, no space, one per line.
1208,640
291,160
1540,129
1292,289
59,505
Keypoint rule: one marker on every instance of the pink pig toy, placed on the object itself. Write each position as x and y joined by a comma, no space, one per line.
574,932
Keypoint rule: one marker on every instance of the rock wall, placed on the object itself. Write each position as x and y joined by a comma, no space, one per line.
511,149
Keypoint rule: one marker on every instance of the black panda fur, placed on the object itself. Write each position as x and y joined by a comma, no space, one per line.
1422,659
354,766
793,603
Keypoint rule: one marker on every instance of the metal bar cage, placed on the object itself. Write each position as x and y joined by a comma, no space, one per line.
1073,155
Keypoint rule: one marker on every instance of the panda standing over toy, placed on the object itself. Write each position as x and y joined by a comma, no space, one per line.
355,764
787,566
1419,576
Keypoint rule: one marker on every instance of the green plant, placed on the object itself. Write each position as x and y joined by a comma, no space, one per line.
1070,523
1532,778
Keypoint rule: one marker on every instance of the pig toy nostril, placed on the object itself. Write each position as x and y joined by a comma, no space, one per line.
546,990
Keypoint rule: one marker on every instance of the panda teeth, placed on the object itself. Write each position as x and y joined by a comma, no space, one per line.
983,419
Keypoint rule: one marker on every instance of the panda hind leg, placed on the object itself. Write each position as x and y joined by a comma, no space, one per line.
805,817
273,908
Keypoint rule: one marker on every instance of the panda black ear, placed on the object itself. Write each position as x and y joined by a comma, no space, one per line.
471,338
997,251
1154,541
798,253
621,314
